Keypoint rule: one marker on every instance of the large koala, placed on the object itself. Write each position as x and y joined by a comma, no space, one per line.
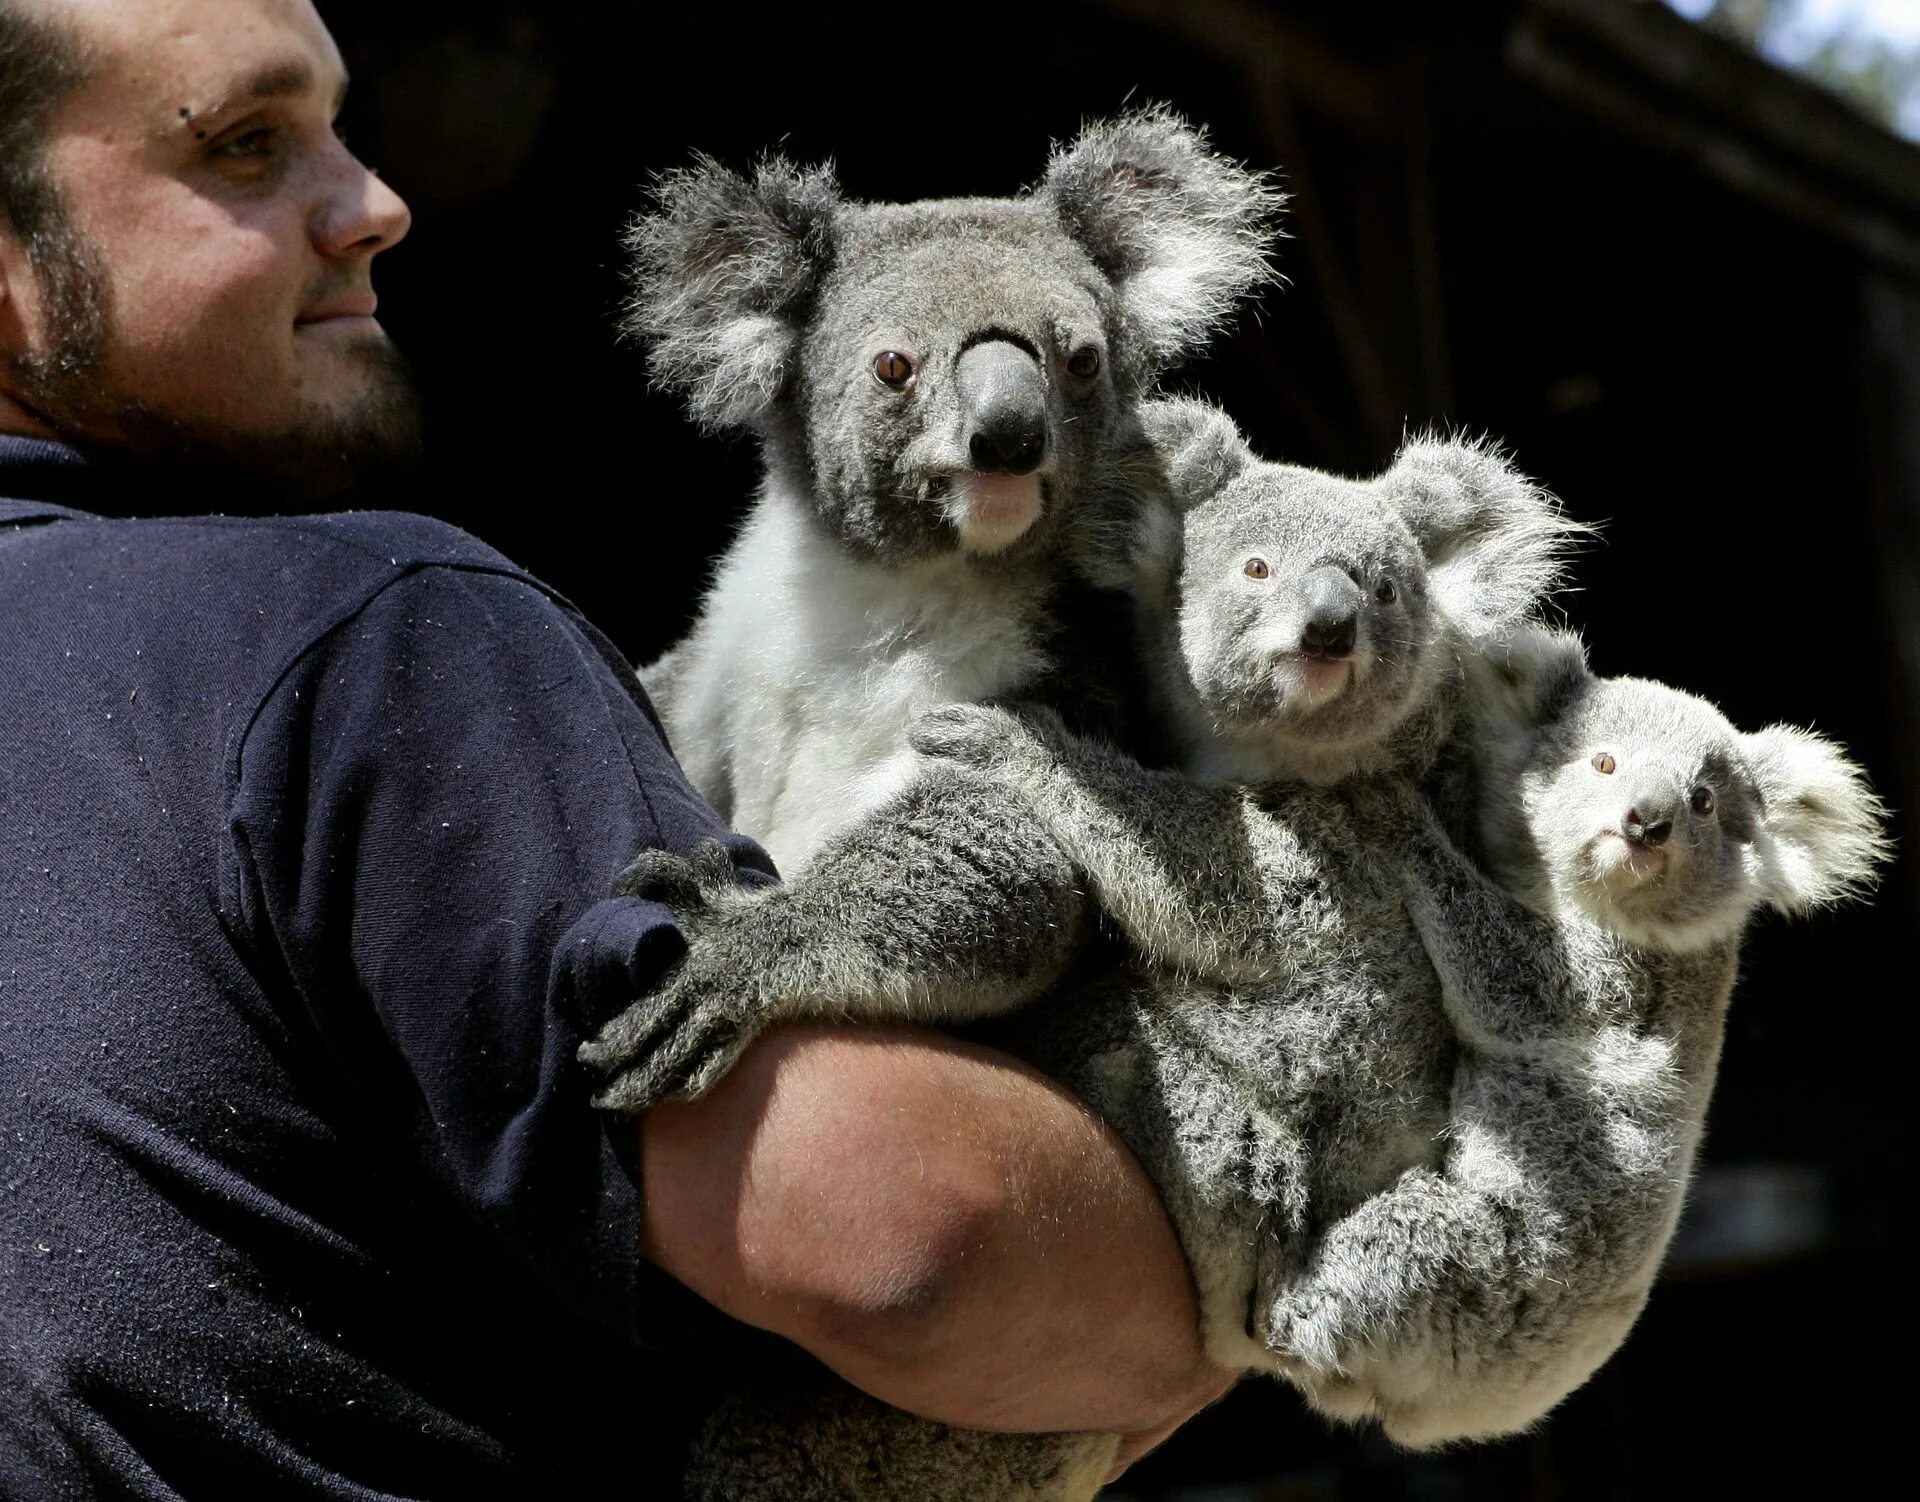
934,386
961,896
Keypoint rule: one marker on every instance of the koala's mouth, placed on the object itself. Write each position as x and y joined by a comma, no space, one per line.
1308,682
1623,866
990,513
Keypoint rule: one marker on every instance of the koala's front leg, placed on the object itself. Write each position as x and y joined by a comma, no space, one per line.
946,903
1173,862
1508,980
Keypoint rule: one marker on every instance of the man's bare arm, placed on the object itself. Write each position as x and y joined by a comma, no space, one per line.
944,1227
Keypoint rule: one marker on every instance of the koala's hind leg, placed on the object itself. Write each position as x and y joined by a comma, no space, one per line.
822,1441
1466,1300
947,903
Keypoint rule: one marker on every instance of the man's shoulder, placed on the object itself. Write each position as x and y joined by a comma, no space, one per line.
374,542
398,539
218,610
285,565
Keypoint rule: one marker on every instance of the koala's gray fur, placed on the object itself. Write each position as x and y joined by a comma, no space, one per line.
907,546
1424,1143
786,1438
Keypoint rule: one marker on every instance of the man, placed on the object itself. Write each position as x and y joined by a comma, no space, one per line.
303,826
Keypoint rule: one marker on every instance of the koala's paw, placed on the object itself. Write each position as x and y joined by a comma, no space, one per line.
675,1043
1299,1337
687,884
975,735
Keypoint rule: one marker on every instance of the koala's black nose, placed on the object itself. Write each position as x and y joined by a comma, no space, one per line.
1333,613
1640,830
1004,398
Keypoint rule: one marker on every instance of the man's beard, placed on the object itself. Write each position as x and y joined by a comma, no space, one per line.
321,455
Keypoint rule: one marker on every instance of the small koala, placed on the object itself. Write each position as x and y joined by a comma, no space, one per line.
934,386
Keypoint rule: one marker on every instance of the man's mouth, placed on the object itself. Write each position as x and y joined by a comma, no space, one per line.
357,309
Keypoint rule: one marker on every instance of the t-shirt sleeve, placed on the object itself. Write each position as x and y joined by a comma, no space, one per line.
427,811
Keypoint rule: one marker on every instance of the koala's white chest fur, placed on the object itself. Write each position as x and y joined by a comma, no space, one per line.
789,705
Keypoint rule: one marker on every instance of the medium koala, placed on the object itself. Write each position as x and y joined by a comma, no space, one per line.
933,386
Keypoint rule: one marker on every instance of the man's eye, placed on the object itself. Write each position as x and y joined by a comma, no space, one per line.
252,145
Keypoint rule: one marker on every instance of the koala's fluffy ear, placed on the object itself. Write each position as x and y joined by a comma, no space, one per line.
723,270
1198,448
1180,231
1528,676
1495,542
1823,830
1182,451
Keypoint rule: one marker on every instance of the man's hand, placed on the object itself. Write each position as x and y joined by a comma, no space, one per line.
941,1225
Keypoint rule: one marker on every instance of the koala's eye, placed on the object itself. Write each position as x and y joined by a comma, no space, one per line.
1702,801
891,368
1385,592
1604,763
1256,568
1084,364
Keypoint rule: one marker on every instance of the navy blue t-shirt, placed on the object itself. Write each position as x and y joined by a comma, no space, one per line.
305,831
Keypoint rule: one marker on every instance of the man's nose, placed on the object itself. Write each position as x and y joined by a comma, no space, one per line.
361,214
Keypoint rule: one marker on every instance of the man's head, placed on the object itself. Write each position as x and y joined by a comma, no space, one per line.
185,242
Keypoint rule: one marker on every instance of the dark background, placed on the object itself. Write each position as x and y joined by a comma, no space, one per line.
1684,288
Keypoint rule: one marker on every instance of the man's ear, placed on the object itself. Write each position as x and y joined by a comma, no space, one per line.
724,268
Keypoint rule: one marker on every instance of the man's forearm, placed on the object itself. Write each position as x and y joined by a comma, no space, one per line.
946,1228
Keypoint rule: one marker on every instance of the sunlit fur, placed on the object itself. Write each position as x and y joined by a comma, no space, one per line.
1791,823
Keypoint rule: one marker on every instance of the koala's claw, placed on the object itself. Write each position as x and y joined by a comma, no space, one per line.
1301,1337
671,1045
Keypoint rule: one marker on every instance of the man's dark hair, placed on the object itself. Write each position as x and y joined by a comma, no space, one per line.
40,63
